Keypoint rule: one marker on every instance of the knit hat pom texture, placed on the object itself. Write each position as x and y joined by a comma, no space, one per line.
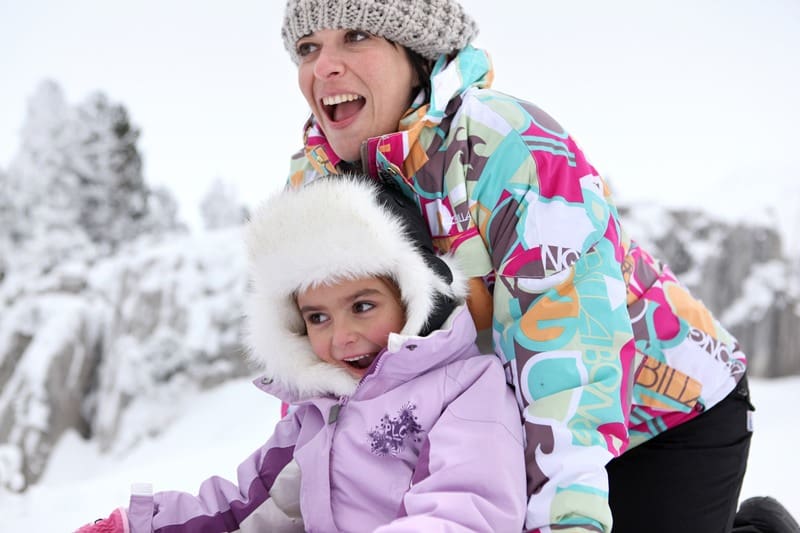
429,27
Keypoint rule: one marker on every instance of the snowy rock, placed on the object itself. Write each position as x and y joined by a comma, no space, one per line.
176,326
49,349
94,343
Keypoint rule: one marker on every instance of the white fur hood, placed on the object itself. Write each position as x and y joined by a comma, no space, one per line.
333,228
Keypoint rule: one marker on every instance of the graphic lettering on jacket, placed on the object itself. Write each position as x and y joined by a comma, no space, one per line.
389,436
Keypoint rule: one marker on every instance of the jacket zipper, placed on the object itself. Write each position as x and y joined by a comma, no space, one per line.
333,414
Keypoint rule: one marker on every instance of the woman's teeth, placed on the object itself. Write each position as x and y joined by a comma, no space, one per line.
339,98
342,106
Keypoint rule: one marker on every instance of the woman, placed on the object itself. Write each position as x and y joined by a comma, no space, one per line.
634,398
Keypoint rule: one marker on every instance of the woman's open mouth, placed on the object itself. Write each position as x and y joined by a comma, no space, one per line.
342,106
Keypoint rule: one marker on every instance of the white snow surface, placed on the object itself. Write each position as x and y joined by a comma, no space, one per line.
219,428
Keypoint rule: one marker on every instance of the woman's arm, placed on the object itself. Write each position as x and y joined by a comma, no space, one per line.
559,317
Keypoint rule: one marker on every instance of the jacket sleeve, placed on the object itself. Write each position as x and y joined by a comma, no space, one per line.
559,314
265,497
470,473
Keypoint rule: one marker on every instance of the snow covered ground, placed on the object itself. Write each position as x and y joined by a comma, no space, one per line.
219,428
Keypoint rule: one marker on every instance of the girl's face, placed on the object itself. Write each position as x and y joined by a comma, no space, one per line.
356,84
348,323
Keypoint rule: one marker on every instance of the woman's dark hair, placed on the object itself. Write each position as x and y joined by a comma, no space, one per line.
422,68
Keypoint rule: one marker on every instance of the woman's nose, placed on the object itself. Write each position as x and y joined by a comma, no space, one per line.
329,63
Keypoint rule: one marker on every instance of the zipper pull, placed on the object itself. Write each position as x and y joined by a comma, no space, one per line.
333,414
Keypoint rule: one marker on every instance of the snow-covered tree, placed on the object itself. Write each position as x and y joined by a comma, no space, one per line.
220,207
104,163
162,213
37,186
75,187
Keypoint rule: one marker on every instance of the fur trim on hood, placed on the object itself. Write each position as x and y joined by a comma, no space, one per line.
333,229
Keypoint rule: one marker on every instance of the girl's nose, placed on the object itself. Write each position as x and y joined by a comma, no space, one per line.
344,334
329,63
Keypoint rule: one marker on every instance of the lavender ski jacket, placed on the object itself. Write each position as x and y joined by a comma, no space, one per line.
430,440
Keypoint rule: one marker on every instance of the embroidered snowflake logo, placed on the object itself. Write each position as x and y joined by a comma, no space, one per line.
389,436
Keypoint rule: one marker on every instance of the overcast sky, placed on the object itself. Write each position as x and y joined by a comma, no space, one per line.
689,102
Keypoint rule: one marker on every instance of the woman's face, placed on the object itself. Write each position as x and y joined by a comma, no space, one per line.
357,85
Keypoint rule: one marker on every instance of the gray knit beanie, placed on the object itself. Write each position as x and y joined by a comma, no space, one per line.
429,27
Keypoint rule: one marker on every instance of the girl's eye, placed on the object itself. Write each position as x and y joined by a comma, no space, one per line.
363,307
355,36
316,318
303,49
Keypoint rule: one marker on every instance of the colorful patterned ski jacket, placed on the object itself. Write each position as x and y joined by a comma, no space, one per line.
604,346
390,457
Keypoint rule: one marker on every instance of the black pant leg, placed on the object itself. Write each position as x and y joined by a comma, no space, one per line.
687,479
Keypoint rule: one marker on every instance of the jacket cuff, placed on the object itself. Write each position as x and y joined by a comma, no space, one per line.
140,510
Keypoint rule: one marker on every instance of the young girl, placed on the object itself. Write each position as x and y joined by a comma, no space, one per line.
398,423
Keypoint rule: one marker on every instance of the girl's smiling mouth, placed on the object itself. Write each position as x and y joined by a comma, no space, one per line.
361,362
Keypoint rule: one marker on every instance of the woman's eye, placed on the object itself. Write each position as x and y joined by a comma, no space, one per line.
303,49
363,307
355,36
